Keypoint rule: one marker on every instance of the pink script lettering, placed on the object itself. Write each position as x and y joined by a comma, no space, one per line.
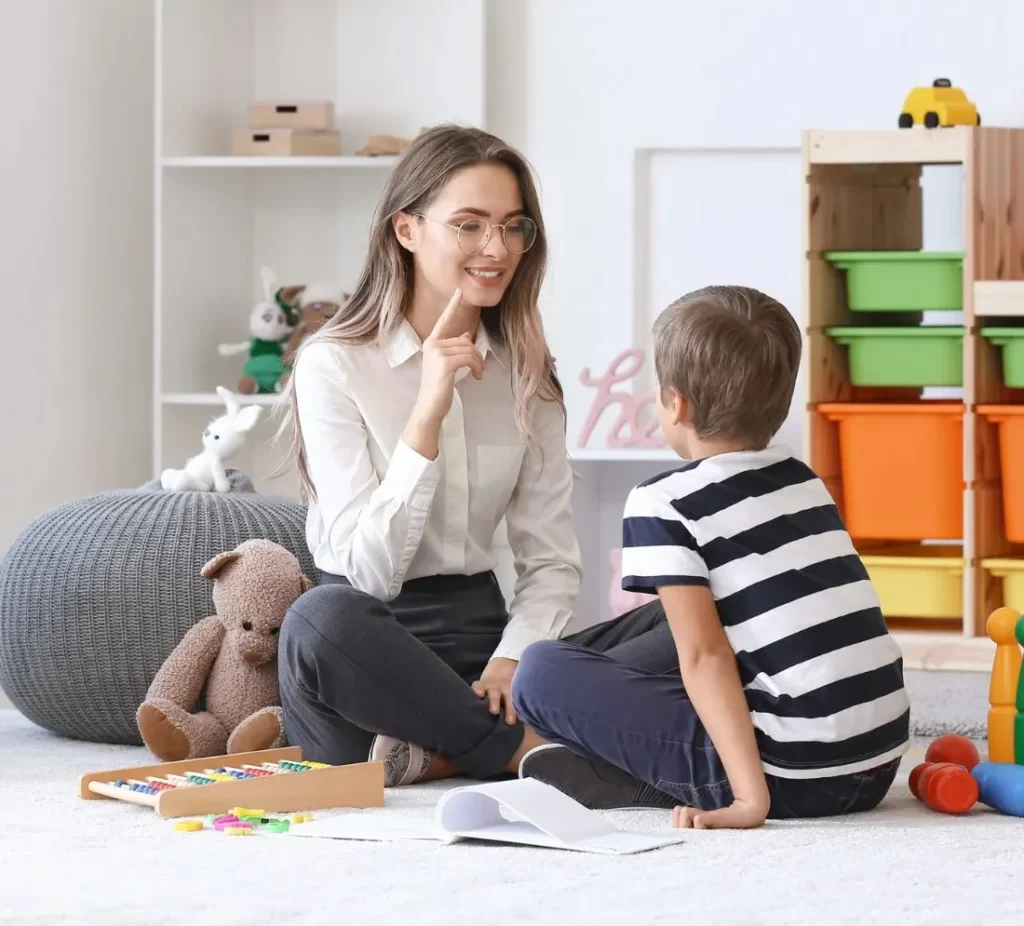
622,369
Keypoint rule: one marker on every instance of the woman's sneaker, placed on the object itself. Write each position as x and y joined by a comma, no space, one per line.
594,783
404,763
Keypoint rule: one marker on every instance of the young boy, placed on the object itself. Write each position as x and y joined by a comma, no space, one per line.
791,702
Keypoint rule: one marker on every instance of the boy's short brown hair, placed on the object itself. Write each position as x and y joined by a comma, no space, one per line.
733,353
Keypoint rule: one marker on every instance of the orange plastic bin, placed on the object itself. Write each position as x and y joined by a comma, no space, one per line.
902,469
1010,421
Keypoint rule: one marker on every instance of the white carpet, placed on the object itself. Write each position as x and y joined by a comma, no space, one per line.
948,702
65,860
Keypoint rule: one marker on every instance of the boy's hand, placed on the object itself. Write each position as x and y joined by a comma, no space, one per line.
739,815
711,678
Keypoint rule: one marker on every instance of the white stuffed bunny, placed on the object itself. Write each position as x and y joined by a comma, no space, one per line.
269,326
222,439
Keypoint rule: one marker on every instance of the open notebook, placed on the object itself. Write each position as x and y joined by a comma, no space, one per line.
522,811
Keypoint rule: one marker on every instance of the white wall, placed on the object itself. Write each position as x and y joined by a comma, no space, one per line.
75,254
581,84
76,192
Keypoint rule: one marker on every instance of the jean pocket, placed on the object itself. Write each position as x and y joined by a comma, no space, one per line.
712,796
830,797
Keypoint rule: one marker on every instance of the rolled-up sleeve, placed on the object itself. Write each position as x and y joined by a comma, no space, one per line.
373,526
542,536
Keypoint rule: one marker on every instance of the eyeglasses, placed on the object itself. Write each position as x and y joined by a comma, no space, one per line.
518,234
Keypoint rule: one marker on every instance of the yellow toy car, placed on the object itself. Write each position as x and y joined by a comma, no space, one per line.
939,104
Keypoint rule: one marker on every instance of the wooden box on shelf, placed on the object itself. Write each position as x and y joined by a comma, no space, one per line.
862,192
285,143
292,114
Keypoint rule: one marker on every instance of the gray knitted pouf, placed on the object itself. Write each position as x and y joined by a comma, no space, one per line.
95,593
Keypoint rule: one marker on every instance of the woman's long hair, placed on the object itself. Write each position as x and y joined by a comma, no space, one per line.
380,299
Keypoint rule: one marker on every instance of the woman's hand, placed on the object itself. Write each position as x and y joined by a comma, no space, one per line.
443,357
740,815
495,684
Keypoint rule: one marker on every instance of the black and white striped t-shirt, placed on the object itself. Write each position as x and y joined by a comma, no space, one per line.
822,675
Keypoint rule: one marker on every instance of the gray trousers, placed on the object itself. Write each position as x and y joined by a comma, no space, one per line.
352,666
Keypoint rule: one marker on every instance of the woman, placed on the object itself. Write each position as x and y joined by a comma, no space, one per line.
423,413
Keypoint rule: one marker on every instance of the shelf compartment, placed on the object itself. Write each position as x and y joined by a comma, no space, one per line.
927,355
1010,422
902,469
901,281
218,59
999,298
220,228
1010,342
1010,572
918,581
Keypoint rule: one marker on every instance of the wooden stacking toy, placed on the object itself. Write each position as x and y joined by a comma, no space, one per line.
275,780
1005,627
953,778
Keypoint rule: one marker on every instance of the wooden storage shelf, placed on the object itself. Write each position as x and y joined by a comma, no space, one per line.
999,298
862,192
890,146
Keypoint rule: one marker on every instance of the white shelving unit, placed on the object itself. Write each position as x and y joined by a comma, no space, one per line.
303,163
390,67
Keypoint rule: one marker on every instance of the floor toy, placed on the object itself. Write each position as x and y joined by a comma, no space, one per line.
274,780
952,747
1001,786
953,778
944,787
1006,688
189,826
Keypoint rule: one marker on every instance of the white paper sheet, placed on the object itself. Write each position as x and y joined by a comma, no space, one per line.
522,811
369,826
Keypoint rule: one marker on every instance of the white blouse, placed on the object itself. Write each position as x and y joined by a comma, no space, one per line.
384,514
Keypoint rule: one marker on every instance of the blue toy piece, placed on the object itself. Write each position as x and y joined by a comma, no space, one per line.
1001,786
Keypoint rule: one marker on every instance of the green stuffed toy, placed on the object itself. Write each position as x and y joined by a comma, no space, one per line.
271,322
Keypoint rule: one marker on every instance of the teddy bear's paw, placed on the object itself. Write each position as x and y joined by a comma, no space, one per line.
165,740
262,730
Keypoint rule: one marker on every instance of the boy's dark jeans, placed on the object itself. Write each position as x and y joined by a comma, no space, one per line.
644,723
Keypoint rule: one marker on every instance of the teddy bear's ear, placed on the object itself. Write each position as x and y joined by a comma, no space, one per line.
305,584
290,294
216,564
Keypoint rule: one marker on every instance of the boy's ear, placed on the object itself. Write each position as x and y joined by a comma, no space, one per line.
405,229
680,408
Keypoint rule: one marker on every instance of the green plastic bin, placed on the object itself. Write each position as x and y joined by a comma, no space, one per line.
922,356
1011,340
901,281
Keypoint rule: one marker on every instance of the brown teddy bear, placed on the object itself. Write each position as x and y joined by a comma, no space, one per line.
230,657
315,305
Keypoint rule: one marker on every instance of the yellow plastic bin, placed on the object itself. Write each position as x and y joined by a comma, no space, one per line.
918,581
1011,571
